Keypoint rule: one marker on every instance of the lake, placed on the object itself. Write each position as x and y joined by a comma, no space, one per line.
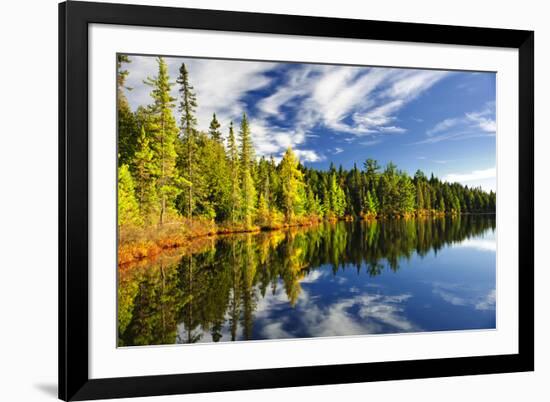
344,278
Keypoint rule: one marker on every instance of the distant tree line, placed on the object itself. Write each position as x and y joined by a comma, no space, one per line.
170,170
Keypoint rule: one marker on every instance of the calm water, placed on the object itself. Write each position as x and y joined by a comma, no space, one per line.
333,279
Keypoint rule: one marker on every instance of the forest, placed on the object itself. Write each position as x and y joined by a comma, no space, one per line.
176,182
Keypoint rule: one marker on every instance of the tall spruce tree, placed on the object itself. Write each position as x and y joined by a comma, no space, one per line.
234,171
214,129
127,125
143,168
165,133
246,167
188,127
291,184
128,210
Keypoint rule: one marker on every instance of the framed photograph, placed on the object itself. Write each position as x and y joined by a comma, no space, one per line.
257,200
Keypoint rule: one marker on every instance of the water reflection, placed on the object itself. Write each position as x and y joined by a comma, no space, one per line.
332,279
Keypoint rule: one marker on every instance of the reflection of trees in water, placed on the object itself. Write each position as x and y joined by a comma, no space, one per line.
179,299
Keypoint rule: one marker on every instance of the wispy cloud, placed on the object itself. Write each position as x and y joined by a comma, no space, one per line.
370,143
308,155
475,175
465,295
480,123
220,86
354,100
290,103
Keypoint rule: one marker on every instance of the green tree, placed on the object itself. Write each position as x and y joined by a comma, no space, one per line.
144,168
188,123
165,133
126,122
214,129
371,204
246,166
389,194
337,198
407,194
291,184
128,209
234,176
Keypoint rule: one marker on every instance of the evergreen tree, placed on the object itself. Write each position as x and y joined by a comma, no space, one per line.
143,168
188,123
164,130
291,185
214,129
371,205
246,164
406,194
420,196
126,122
337,198
128,210
234,171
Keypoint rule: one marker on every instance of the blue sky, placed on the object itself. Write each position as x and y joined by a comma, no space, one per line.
438,121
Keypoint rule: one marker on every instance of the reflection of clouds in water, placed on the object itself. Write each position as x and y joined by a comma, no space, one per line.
481,244
356,315
313,276
459,295
488,303
275,330
450,297
375,313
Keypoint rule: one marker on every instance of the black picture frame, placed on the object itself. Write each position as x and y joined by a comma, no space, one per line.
74,18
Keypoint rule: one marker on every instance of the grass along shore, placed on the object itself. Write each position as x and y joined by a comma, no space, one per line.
139,243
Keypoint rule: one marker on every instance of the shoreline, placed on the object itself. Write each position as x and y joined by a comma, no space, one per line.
130,252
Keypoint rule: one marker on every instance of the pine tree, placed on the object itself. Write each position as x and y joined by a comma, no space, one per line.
127,126
263,213
247,148
389,190
407,194
214,129
165,132
337,198
291,184
246,165
419,196
128,210
234,169
143,168
188,123
371,205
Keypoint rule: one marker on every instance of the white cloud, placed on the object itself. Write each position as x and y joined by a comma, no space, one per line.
392,129
356,100
370,143
490,173
219,84
443,126
474,124
308,155
484,123
338,150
